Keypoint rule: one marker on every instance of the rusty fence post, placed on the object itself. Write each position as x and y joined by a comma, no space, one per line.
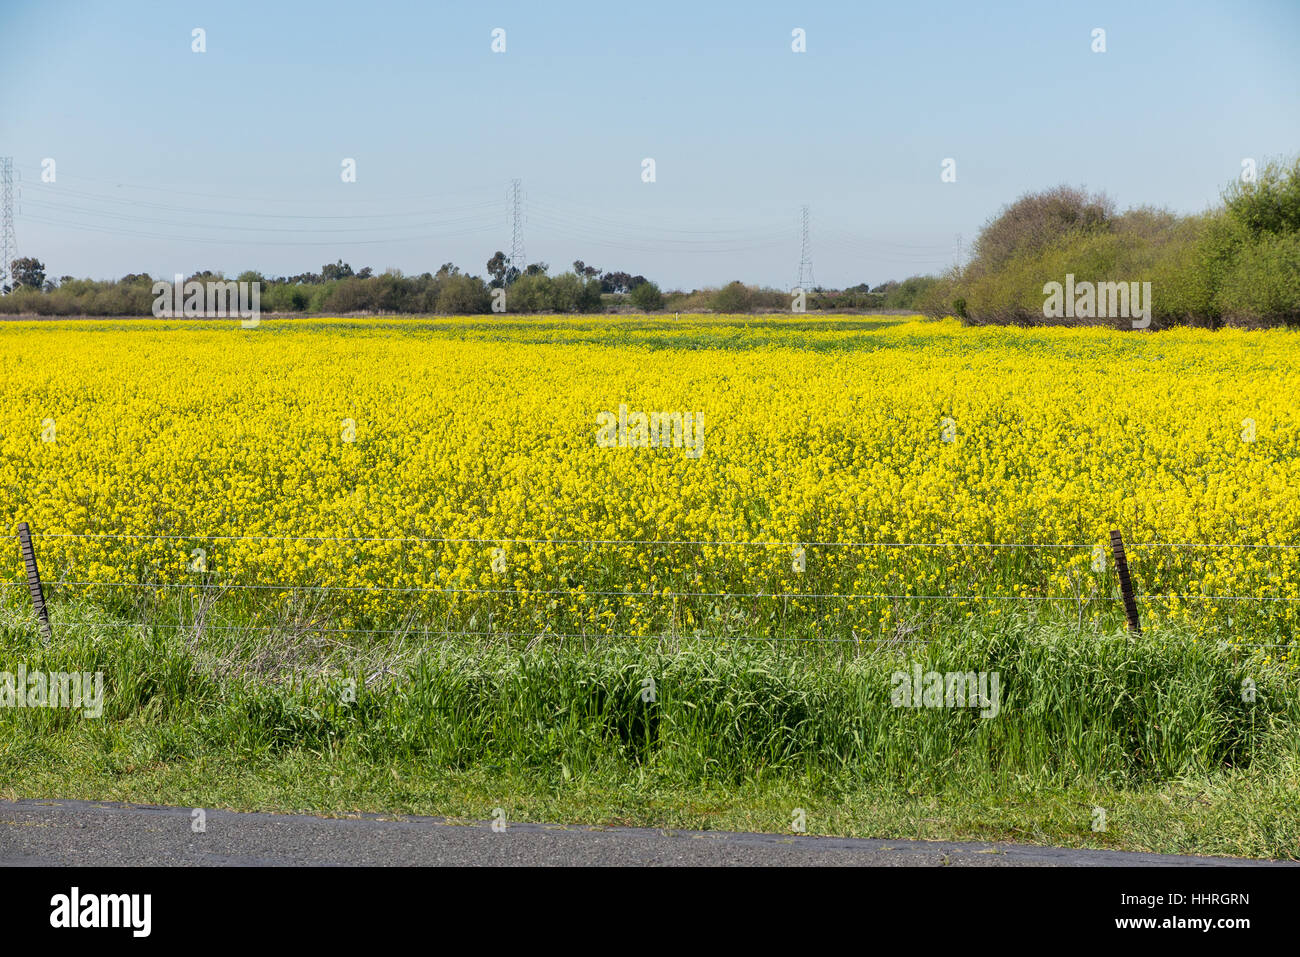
1125,582
34,578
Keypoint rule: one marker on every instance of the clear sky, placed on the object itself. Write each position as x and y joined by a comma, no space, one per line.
167,160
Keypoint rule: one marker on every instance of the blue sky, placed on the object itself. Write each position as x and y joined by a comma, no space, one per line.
170,161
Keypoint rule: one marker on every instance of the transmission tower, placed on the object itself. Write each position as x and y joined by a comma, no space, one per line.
805,280
8,244
958,251
517,226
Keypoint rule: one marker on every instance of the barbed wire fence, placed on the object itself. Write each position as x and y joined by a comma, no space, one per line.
209,589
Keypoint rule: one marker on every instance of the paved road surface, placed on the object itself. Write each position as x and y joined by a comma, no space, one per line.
86,833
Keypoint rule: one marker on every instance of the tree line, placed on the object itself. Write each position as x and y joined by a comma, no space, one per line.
339,289
1235,264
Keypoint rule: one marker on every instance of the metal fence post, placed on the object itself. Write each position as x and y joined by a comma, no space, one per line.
1125,583
34,578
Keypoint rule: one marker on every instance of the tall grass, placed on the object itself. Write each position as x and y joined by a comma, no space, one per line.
1102,707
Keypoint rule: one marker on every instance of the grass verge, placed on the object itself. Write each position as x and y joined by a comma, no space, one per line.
1185,747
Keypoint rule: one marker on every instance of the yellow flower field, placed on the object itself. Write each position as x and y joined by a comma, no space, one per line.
451,473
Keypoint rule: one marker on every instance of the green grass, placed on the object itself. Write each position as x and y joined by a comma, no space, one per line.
1153,729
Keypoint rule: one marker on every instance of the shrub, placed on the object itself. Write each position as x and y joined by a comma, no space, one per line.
567,293
349,295
909,293
1263,286
1036,221
733,297
1271,204
647,297
529,293
463,295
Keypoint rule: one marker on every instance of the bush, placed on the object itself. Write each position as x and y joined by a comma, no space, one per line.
529,293
909,293
733,297
1036,221
1235,264
647,297
941,299
1271,204
567,293
349,295
592,298
1263,287
463,295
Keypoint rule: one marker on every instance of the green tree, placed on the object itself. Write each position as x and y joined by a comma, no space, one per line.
566,293
1036,221
339,270
732,298
498,268
531,292
28,271
1271,204
459,294
591,295
647,297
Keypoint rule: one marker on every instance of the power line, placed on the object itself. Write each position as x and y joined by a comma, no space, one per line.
363,200
153,221
191,211
161,217
118,231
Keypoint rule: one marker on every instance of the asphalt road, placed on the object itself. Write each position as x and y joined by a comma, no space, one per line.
91,834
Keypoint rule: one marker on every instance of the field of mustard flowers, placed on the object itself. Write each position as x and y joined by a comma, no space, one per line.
835,482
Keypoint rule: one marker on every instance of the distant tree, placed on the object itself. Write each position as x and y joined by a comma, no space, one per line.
466,295
532,292
536,269
647,297
733,297
338,270
615,282
1036,221
590,295
1270,204
366,272
447,269
498,268
566,293
27,271
909,293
